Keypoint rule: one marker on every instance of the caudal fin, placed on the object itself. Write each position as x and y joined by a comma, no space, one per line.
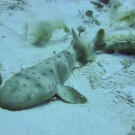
82,50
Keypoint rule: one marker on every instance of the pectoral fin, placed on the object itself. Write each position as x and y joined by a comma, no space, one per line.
70,95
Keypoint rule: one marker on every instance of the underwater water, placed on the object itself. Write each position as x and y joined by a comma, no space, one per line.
67,67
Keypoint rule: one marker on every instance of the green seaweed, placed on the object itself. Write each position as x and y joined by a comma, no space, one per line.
43,31
127,16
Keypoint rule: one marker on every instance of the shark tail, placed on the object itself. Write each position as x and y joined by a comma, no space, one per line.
83,50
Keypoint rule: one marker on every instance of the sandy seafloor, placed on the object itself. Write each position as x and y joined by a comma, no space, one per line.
105,82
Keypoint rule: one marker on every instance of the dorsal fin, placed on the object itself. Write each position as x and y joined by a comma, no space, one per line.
100,35
98,39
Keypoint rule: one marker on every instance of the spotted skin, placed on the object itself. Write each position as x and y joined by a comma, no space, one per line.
123,46
41,82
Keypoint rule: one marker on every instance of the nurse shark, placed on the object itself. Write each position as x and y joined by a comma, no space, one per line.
43,81
113,44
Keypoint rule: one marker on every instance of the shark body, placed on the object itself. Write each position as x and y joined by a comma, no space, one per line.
101,43
41,82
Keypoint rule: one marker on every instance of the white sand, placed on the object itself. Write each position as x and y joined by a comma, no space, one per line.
109,110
